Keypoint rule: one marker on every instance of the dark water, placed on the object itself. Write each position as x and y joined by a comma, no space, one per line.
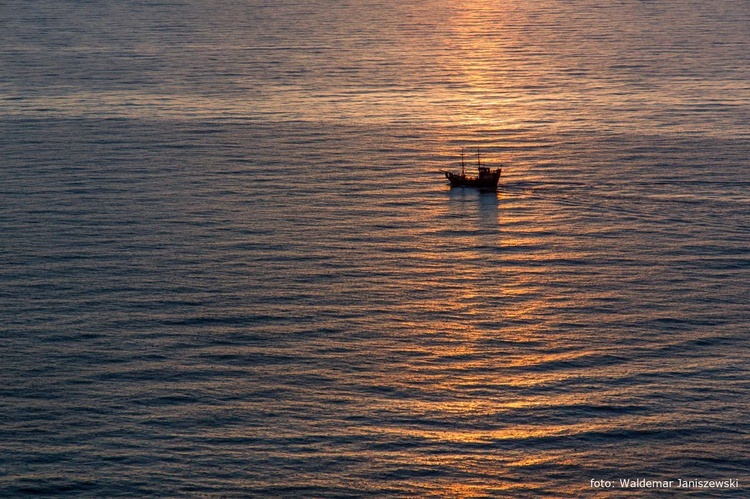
230,266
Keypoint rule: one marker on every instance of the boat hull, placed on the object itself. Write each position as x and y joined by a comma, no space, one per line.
487,181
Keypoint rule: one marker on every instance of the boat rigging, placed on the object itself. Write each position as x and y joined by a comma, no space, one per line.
487,179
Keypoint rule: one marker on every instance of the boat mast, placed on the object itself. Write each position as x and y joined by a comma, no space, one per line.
463,166
479,163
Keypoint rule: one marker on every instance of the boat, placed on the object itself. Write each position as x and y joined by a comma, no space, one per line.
487,179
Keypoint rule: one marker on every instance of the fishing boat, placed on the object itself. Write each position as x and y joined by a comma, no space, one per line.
487,179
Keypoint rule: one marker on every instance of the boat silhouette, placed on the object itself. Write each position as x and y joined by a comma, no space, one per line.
486,180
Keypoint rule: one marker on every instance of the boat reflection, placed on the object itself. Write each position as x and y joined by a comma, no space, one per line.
475,208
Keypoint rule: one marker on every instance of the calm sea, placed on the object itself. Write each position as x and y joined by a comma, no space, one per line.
230,266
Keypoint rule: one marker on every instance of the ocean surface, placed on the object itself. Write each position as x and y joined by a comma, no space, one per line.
231,267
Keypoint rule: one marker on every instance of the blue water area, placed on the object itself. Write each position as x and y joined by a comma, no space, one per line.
231,267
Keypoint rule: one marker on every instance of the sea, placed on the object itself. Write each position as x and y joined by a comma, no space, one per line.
230,265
